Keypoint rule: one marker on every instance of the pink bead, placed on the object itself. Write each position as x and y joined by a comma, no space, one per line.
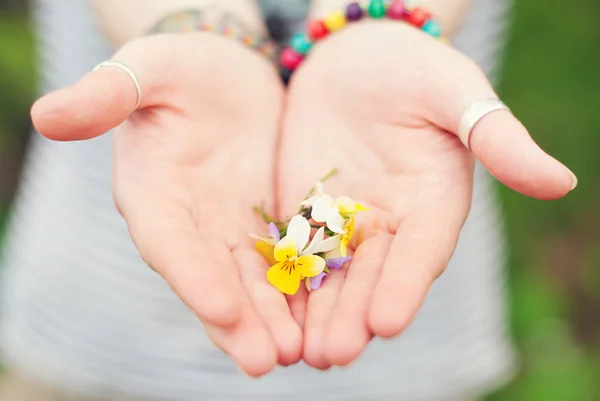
396,10
290,59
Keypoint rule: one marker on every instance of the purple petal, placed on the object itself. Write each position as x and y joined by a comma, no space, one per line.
274,232
337,263
315,282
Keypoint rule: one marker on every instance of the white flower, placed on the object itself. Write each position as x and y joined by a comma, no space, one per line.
299,231
332,212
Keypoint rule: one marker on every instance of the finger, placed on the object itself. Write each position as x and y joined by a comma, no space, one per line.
348,333
100,100
204,275
246,343
320,305
203,272
270,305
297,305
420,251
499,140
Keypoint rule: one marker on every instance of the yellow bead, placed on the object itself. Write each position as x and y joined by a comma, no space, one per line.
445,40
335,21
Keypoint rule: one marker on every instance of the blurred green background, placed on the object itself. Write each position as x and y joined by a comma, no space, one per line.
551,80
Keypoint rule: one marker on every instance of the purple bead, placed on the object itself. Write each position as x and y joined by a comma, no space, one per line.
354,12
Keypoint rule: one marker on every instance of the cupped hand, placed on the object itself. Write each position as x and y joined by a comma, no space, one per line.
381,102
190,164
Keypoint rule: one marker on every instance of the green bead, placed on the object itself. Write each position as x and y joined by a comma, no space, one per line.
377,9
301,43
433,28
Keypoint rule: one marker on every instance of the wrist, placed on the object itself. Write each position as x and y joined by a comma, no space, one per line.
448,13
125,21
219,22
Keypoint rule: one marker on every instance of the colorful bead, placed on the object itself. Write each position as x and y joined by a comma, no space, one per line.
317,30
396,10
335,21
290,59
418,16
433,28
301,43
354,12
377,9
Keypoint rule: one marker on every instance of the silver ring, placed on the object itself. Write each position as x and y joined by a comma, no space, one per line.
129,72
474,114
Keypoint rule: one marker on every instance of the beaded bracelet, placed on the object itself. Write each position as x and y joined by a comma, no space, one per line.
301,43
220,23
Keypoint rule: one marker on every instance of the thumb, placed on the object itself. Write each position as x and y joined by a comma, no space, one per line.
499,141
101,99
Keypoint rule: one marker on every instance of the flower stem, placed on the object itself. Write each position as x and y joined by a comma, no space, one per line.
265,216
323,179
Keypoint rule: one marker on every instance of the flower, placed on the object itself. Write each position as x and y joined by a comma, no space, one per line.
337,263
332,212
343,237
266,245
293,261
314,283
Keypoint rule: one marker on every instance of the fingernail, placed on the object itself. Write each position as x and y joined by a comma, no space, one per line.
573,178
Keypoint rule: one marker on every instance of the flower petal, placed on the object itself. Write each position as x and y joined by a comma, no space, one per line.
309,201
349,228
345,205
274,232
284,277
315,244
299,230
320,188
285,249
334,253
337,263
267,250
329,244
347,236
360,207
322,207
268,240
310,265
335,222
315,282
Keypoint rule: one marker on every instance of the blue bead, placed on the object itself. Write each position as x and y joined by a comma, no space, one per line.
433,28
301,43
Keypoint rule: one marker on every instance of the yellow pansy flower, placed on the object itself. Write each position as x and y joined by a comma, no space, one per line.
294,262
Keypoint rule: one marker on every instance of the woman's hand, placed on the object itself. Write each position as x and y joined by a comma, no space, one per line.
190,164
381,101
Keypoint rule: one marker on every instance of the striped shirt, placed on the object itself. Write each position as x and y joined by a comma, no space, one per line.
81,310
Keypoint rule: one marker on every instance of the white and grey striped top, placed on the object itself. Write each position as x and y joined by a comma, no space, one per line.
81,310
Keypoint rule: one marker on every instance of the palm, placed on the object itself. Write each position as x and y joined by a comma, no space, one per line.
190,165
348,109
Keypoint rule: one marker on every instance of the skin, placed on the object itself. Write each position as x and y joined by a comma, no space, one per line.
385,120
214,108
187,175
